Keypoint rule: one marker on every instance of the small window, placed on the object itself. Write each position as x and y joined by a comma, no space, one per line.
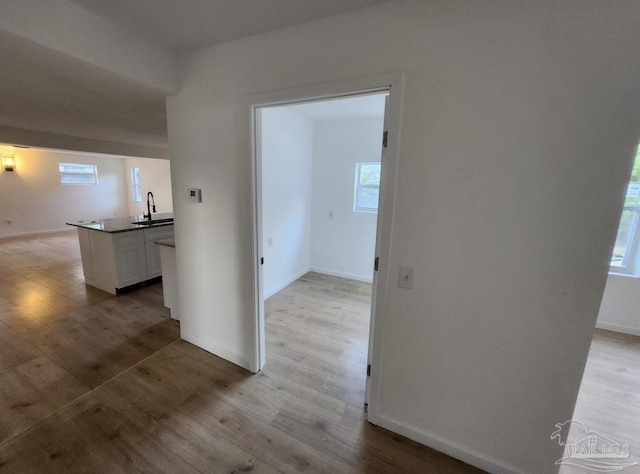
74,173
367,189
626,254
137,187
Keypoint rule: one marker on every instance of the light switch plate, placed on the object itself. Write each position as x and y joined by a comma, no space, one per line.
405,280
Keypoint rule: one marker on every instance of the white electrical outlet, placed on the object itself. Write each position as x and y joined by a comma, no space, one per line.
195,195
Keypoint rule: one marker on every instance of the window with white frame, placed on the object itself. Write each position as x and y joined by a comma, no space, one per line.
626,258
76,173
135,182
367,187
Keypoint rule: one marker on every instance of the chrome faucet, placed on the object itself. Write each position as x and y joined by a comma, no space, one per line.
148,214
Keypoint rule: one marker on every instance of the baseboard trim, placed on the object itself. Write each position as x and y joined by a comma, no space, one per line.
348,276
618,328
445,446
38,232
217,350
279,287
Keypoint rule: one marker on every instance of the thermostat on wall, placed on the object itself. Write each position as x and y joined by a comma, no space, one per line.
195,195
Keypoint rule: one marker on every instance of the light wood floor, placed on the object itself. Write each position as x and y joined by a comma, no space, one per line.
609,398
90,382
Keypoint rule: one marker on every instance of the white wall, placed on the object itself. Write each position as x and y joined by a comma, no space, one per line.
155,176
32,200
519,126
308,184
287,150
620,307
343,241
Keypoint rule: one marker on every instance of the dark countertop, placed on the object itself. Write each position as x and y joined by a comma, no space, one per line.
122,224
170,242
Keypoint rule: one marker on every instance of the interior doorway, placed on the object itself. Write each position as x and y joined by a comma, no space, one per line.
318,182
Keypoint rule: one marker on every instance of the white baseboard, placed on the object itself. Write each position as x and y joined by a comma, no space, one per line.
39,232
209,346
349,276
634,331
282,285
445,446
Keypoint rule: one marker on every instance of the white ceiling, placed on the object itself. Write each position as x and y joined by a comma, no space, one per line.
46,91
183,25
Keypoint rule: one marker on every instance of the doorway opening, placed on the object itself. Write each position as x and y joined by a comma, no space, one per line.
319,168
609,390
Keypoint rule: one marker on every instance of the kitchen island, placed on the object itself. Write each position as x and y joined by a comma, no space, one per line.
120,252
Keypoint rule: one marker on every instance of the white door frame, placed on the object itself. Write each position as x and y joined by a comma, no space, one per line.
393,83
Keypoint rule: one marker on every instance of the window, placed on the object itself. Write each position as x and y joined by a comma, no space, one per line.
625,251
367,189
74,173
137,187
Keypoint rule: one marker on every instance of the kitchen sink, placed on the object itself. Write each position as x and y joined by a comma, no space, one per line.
153,221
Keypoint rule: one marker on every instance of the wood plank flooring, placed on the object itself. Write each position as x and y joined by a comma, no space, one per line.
609,397
60,338
90,382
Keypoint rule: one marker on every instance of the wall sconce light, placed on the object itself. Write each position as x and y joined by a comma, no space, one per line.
9,163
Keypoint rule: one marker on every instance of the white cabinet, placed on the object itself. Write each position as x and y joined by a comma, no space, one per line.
112,261
85,251
154,267
131,261
170,280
